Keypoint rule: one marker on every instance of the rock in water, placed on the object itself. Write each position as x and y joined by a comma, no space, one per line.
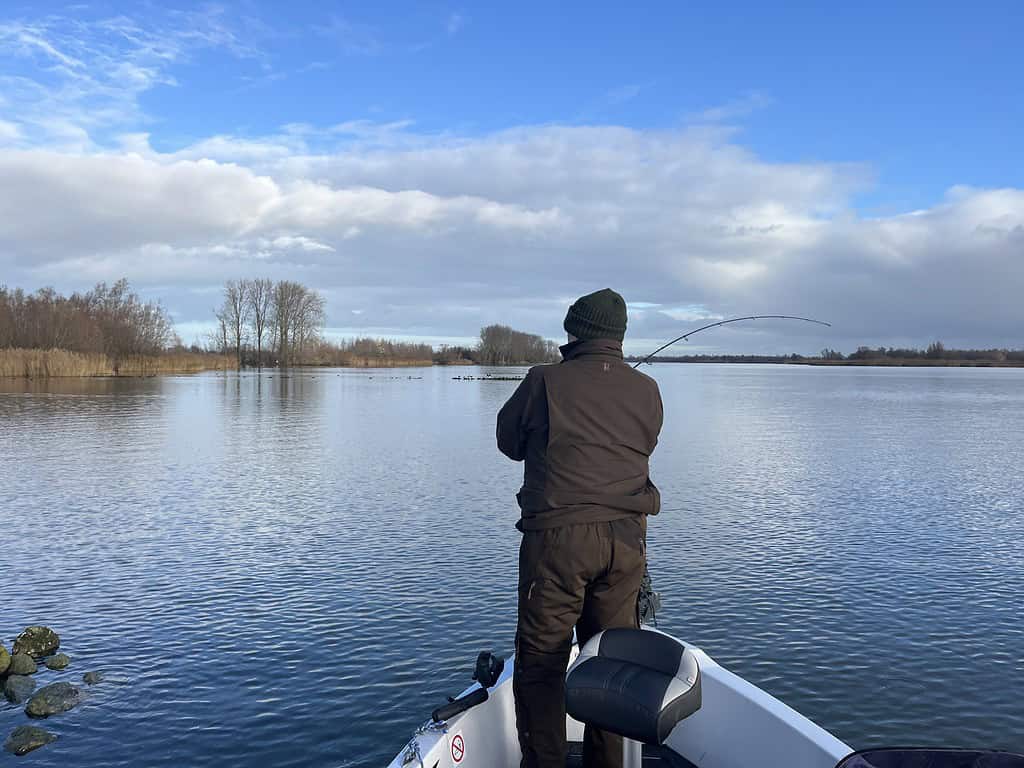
60,661
17,688
91,678
25,738
22,664
37,641
5,659
53,699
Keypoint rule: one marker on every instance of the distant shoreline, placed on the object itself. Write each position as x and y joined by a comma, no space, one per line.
52,364
897,363
893,363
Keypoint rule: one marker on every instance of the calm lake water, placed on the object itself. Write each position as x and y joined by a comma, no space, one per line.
294,570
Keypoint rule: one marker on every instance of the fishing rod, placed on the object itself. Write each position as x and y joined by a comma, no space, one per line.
726,322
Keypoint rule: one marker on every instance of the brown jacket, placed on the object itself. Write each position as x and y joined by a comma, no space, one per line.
586,428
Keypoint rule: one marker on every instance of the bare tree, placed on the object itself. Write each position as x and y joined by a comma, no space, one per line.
235,310
7,335
283,315
219,336
259,298
298,318
309,321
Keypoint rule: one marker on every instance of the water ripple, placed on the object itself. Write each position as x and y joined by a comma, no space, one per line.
293,570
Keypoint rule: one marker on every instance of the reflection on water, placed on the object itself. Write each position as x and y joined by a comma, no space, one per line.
293,569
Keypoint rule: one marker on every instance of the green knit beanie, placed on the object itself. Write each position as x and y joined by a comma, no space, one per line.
598,315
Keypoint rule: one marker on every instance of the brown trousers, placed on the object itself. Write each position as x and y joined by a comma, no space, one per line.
585,576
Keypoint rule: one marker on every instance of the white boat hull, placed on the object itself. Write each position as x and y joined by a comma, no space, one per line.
737,726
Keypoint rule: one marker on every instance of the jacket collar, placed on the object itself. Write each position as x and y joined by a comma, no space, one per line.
582,347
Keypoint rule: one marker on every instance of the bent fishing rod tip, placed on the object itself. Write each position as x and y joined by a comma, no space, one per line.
726,322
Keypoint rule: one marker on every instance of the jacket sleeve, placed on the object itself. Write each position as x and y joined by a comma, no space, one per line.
514,419
659,415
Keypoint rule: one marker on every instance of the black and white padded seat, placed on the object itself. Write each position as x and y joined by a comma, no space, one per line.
636,683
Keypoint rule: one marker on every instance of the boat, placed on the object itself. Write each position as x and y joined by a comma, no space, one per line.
693,713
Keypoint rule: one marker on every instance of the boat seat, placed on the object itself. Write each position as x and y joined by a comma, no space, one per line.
636,683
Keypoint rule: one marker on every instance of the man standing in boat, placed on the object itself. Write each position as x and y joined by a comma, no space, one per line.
585,428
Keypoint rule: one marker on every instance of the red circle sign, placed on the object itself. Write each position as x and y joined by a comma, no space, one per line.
458,748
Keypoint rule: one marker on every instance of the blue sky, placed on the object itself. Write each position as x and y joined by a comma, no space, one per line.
929,93
858,112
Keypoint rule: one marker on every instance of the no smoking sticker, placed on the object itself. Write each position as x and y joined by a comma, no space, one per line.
458,748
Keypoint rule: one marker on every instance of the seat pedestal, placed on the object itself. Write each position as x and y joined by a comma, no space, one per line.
632,754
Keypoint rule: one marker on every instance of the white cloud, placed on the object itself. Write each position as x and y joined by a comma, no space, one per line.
9,132
82,76
520,221
734,109
351,38
298,242
456,21
691,314
623,94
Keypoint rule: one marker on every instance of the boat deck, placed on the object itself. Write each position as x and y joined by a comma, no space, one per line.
654,757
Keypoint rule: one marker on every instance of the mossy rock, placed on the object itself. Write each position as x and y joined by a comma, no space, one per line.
91,678
37,641
53,699
25,738
5,659
22,664
17,688
60,661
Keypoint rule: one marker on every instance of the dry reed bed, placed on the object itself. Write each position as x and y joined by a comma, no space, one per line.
357,361
42,363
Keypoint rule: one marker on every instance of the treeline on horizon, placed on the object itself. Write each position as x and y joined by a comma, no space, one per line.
110,330
502,345
936,353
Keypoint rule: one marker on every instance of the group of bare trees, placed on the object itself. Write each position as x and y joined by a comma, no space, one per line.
286,319
286,316
109,319
258,322
501,345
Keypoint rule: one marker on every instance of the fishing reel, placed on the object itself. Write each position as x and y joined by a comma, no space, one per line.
488,669
648,602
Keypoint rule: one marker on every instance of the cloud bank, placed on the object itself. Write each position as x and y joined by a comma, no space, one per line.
435,235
